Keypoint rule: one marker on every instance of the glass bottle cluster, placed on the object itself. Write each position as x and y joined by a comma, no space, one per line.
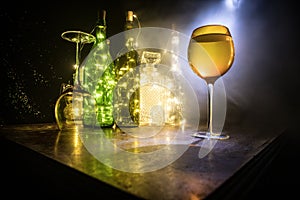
114,87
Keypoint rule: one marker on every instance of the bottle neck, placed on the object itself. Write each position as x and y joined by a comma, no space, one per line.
129,20
130,36
129,25
100,28
100,34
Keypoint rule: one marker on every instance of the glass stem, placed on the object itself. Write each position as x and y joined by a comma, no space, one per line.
210,108
77,64
77,54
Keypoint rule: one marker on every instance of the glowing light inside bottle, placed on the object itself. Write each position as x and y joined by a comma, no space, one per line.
98,81
159,105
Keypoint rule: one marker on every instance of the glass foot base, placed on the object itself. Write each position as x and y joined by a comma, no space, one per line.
207,136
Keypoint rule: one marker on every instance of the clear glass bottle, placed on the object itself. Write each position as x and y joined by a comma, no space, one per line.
161,92
151,90
98,79
160,103
126,101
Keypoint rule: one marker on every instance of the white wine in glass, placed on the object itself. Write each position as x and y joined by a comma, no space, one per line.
211,54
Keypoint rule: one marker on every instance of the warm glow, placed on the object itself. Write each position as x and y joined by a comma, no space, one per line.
158,104
75,67
76,138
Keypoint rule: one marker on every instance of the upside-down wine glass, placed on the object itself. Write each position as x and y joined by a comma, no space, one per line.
66,114
211,54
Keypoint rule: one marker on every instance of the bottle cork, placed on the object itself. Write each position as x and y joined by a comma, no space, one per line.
129,16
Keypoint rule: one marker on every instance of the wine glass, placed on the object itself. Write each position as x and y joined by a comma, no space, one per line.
211,54
68,115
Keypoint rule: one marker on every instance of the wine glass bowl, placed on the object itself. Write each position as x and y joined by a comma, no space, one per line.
211,54
217,43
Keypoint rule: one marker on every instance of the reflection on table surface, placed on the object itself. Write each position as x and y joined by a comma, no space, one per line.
187,177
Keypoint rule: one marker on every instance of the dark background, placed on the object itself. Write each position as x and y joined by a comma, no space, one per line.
261,86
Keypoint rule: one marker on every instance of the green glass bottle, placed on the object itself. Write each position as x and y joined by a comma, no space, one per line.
126,103
99,80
